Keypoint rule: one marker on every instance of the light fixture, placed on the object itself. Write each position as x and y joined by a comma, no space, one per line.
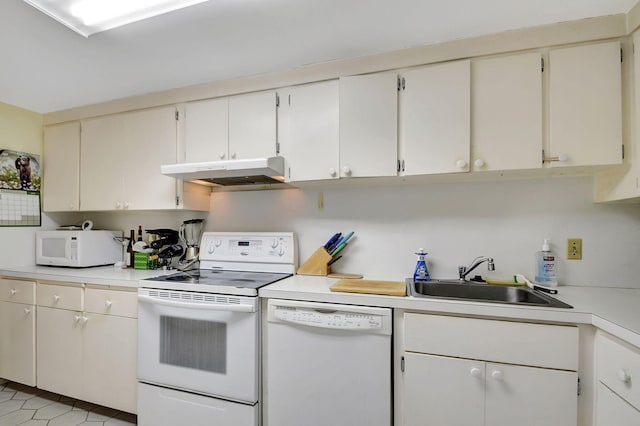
88,17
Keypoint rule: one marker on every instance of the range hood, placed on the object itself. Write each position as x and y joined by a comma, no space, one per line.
231,173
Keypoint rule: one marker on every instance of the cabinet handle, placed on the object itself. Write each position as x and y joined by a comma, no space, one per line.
462,164
346,170
623,376
27,311
13,291
497,375
479,163
476,372
108,303
332,172
222,155
562,158
56,298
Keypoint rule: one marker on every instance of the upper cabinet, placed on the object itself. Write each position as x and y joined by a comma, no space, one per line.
585,105
121,156
369,125
234,128
309,131
61,167
506,112
434,119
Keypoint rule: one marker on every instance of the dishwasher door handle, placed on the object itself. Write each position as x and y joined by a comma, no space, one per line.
203,306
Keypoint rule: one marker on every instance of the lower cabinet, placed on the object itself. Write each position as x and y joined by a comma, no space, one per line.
476,372
617,396
18,331
87,344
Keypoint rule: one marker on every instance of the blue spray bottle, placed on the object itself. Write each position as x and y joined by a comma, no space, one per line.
422,272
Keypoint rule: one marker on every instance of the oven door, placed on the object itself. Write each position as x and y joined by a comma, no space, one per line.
203,343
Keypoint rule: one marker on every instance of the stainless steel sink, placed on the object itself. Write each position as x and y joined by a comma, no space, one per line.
455,289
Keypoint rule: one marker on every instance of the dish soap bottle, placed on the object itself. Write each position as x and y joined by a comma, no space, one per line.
422,272
546,266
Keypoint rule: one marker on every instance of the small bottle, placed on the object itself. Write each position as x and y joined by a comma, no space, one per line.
140,233
130,253
546,266
422,272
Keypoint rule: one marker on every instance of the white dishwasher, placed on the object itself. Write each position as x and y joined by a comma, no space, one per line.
327,364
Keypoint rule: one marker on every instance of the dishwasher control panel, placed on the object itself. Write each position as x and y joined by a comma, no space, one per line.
328,319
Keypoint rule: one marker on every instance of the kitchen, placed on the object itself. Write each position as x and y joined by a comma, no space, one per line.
454,220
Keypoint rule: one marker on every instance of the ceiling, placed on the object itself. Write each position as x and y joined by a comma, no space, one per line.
47,67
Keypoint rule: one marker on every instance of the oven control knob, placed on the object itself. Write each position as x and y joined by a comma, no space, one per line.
281,251
274,243
218,243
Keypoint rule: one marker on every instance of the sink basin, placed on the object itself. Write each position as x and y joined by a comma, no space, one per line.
454,289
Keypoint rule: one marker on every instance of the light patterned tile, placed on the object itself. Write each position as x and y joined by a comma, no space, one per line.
23,396
52,410
36,403
5,396
35,423
16,417
71,418
91,424
7,407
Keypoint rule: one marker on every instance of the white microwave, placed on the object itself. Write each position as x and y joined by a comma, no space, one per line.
78,249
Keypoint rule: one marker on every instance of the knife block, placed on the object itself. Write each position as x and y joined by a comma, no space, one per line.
316,264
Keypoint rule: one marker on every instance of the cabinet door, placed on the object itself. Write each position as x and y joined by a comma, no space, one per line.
150,139
369,125
61,171
443,391
58,353
18,342
206,130
435,119
314,133
252,125
585,105
613,410
109,361
104,159
528,396
506,112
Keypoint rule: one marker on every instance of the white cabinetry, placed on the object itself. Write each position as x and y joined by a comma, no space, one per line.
369,125
585,105
435,119
309,131
17,331
87,344
618,396
61,167
462,371
506,112
232,128
121,157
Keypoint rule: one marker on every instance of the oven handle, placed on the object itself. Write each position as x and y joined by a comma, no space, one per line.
209,307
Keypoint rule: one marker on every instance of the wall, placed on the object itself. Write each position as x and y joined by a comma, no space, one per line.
454,222
20,130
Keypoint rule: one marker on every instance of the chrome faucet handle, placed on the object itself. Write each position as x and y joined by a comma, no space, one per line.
461,272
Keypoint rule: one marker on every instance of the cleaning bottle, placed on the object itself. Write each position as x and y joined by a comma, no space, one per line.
546,266
422,272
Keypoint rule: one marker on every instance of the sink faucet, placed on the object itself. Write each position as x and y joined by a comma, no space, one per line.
463,271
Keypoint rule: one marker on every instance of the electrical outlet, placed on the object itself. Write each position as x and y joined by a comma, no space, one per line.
574,248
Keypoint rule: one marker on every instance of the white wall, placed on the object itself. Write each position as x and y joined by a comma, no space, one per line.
454,222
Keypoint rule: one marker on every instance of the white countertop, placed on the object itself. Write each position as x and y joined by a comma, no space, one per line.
614,310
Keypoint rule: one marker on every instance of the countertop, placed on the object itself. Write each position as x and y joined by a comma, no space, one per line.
614,310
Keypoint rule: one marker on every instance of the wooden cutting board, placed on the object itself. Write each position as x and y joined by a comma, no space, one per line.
391,288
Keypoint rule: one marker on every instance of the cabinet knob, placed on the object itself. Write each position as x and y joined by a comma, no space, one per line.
233,156
497,375
108,303
476,372
13,291
462,164
332,172
623,376
125,205
56,298
479,163
118,205
27,311
71,206
222,155
76,318
84,319
346,170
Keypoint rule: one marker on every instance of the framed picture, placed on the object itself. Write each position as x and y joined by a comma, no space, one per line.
19,171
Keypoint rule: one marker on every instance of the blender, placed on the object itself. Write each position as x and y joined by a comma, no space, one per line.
191,232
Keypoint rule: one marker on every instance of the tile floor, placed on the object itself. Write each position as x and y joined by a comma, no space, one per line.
26,406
